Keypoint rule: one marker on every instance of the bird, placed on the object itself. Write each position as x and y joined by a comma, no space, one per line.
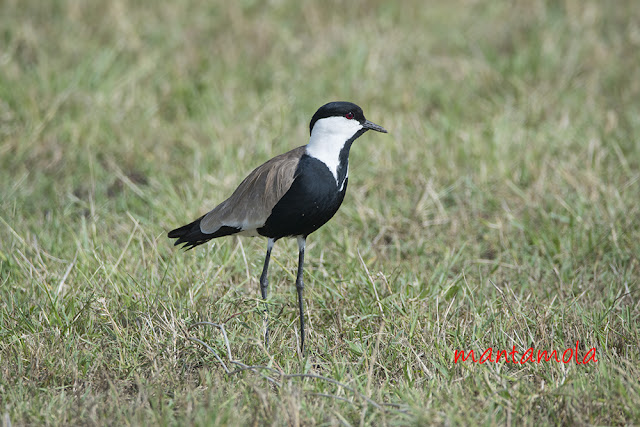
290,196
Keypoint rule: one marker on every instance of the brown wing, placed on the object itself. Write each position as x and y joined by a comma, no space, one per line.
251,204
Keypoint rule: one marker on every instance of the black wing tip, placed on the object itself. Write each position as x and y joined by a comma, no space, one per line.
190,235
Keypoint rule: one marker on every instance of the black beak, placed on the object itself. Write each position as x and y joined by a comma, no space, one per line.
368,125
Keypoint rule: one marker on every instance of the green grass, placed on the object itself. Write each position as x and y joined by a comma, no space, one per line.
501,210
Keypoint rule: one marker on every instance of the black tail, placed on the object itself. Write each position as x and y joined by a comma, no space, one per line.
191,234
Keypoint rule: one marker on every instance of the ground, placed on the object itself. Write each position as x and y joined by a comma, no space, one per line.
500,212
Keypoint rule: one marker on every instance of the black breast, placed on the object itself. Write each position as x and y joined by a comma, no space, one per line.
310,202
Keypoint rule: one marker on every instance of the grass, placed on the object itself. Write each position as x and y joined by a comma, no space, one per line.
501,210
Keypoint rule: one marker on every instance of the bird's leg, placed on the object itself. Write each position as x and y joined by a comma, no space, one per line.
264,284
300,288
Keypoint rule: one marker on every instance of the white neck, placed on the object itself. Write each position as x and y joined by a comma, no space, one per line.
328,137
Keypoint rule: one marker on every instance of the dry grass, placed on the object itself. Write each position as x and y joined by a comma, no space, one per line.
501,210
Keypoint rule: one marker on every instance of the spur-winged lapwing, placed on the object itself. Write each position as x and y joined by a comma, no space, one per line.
291,195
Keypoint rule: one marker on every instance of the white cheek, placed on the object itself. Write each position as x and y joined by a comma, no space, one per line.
327,139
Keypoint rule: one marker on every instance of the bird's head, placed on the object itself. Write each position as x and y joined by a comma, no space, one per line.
341,120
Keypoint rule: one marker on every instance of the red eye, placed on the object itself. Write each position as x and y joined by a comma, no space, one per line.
349,115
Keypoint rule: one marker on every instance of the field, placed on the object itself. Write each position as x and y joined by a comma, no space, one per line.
502,212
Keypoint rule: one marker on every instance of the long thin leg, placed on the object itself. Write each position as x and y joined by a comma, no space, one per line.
264,285
300,287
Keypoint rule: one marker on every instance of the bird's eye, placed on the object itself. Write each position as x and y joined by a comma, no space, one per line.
349,115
